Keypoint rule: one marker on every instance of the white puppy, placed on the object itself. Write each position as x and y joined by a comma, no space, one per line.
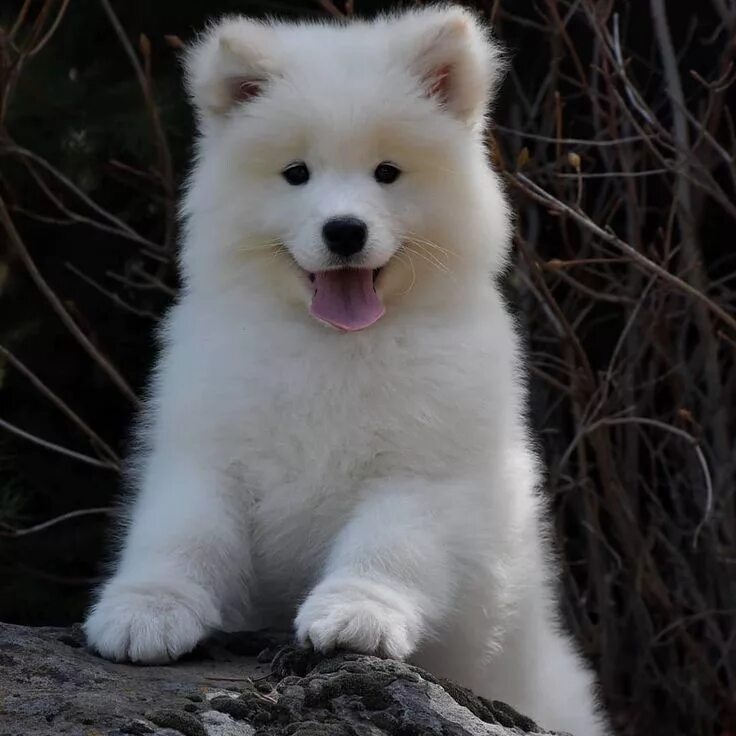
335,436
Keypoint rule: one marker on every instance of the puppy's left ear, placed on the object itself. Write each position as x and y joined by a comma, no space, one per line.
455,60
230,65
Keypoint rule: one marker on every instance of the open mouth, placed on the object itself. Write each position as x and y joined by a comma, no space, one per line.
345,298
376,271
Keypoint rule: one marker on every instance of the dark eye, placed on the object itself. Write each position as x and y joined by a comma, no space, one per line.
296,173
386,173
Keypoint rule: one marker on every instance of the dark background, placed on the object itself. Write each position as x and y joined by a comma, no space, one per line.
615,134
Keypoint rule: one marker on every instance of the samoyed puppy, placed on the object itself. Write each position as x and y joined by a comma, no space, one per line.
335,437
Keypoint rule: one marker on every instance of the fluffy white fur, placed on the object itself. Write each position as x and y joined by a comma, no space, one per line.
377,490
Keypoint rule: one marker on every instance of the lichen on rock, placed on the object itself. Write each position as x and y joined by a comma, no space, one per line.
250,684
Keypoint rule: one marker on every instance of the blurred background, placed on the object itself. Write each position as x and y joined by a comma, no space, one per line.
615,135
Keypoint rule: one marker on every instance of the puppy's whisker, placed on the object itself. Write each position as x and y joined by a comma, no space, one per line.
260,247
414,248
429,257
428,246
404,258
280,251
413,272
422,247
414,236
431,263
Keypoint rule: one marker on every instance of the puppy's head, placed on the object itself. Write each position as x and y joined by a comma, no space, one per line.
343,164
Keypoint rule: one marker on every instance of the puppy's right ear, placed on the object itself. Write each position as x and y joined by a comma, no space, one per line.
229,65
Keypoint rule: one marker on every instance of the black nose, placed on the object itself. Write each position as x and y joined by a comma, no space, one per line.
344,236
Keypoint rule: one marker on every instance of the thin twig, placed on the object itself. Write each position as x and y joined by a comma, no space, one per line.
165,167
57,305
612,421
56,448
96,440
12,532
541,195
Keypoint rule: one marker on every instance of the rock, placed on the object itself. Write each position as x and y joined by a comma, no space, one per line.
236,685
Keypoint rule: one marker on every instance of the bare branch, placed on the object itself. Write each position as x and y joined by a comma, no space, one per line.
546,198
96,440
56,448
59,308
101,511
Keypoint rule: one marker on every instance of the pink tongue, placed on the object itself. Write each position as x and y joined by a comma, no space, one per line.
346,299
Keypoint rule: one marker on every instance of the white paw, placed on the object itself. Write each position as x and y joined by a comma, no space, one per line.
360,615
150,623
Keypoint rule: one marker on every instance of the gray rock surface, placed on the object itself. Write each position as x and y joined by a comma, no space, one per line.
238,685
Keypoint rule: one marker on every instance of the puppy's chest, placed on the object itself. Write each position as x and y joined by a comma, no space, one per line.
307,450
311,434
325,425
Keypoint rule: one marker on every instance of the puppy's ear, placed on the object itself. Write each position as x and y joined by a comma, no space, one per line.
455,60
229,65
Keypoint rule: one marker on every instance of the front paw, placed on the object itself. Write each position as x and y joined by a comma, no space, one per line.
150,623
361,615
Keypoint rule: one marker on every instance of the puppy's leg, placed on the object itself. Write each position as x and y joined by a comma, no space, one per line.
184,561
539,672
388,581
